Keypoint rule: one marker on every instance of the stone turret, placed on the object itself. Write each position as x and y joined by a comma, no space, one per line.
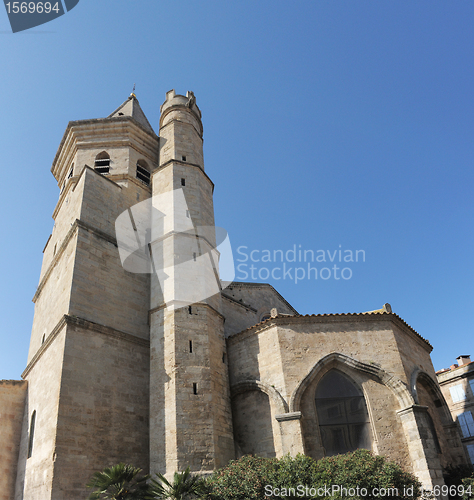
189,375
181,130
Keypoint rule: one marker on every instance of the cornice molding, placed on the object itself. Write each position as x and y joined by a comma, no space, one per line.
85,325
186,164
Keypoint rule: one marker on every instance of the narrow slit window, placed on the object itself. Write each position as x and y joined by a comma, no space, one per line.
102,163
223,357
190,310
143,172
195,388
71,172
32,433
187,214
190,346
194,256
44,337
183,182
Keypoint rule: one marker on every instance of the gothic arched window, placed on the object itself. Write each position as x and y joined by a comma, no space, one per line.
102,163
342,413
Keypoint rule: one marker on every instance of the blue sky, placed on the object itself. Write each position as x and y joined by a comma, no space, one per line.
326,123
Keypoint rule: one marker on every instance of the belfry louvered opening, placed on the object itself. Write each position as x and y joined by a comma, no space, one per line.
143,172
102,163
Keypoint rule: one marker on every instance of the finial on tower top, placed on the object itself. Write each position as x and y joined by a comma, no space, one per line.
133,92
191,99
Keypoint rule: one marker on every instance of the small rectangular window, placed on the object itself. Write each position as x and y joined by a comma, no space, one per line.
183,182
195,388
457,393
183,158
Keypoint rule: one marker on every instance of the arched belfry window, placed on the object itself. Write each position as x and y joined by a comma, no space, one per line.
143,172
342,413
32,434
102,163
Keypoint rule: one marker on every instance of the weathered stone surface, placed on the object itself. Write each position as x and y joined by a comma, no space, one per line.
12,406
116,372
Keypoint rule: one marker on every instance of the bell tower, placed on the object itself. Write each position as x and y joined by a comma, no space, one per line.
190,414
87,404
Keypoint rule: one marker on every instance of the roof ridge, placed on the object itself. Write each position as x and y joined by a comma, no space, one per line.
244,284
322,315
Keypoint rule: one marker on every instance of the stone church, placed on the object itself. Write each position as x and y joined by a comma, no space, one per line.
114,373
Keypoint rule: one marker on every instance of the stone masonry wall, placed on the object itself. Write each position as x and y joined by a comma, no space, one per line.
103,406
244,305
281,356
35,473
12,405
102,291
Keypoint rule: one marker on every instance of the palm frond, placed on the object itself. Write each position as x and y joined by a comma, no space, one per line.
119,482
184,486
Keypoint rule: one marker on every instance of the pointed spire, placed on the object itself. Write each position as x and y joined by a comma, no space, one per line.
132,108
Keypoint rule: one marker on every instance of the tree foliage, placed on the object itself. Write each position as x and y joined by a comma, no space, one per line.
119,482
243,479
468,484
365,470
246,479
184,486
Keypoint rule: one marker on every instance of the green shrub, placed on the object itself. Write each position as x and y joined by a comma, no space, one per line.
243,479
356,474
468,484
453,477
363,472
291,473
